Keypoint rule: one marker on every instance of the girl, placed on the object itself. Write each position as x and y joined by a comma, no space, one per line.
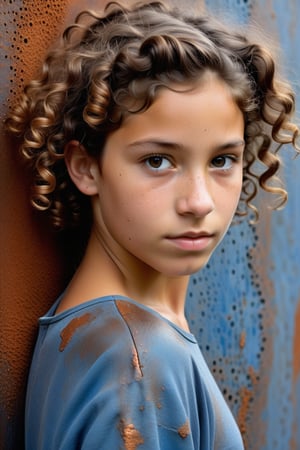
145,124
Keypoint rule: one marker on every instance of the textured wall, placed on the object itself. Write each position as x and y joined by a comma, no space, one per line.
32,261
244,307
29,271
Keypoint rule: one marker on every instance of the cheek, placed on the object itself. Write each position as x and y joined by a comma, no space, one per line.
134,202
124,210
232,195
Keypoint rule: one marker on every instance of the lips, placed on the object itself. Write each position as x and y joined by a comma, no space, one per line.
192,241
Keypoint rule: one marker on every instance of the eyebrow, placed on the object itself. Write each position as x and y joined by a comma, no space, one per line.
177,146
231,144
156,143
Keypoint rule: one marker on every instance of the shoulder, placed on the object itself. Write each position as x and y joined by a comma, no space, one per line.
109,326
116,336
145,323
153,336
118,365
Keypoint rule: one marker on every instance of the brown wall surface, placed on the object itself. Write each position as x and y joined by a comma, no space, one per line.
33,267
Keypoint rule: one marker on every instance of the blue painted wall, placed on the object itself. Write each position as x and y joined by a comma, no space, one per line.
245,306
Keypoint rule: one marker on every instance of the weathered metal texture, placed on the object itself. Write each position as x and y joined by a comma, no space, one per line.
245,306
32,264
30,267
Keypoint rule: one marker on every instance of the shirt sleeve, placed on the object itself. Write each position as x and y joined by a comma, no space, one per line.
115,379
128,401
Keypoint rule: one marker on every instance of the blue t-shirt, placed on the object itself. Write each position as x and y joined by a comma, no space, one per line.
112,374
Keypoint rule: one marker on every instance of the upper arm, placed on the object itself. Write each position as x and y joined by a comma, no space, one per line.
130,398
137,413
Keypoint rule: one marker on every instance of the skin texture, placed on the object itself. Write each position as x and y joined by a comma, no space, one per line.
163,197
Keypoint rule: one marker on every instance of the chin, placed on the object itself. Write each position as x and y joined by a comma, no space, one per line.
187,270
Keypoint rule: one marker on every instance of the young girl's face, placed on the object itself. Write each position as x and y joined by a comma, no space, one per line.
170,180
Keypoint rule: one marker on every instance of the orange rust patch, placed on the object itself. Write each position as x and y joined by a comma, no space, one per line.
253,376
69,331
136,364
242,339
246,396
37,27
184,430
131,436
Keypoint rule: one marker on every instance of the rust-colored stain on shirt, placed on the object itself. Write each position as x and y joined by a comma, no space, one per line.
131,436
184,430
68,332
137,364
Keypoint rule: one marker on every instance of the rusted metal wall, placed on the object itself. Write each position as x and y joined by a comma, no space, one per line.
244,307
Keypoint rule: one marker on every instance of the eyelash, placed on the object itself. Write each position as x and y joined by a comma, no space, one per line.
159,156
232,158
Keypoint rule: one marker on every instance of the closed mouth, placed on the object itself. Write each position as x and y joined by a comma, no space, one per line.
192,235
192,241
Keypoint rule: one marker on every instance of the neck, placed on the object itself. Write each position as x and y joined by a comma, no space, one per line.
100,274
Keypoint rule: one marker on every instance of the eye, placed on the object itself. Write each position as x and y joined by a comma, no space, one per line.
158,162
223,162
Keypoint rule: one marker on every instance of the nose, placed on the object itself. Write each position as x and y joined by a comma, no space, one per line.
195,197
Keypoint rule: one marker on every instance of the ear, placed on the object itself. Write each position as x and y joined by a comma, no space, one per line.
81,167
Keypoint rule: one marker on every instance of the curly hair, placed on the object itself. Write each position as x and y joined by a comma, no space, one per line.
111,64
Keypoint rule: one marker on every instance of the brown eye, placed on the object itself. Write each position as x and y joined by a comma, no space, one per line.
219,161
224,162
155,161
158,162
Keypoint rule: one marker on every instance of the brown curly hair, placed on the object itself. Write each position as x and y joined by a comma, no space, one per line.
108,62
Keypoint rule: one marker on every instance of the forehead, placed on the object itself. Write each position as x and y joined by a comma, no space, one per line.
195,97
182,113
148,93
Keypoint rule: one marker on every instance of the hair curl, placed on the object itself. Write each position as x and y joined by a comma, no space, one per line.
108,63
